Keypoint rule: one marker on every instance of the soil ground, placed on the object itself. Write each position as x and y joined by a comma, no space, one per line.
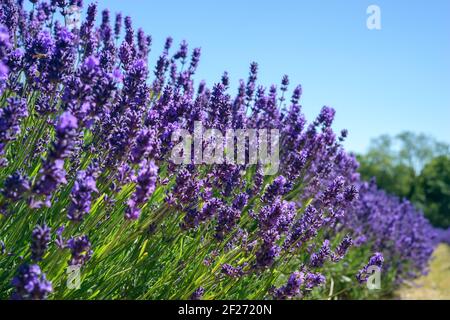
435,285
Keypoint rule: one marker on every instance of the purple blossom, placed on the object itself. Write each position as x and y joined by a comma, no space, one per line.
60,241
81,195
63,59
240,201
197,294
10,119
145,185
15,186
230,271
276,217
318,259
376,261
313,280
40,240
144,145
31,284
342,248
118,25
305,228
292,288
4,48
227,219
53,173
80,249
277,188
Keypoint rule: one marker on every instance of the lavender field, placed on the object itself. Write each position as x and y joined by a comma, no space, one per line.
95,205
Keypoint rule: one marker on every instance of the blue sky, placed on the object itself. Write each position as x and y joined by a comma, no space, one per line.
379,81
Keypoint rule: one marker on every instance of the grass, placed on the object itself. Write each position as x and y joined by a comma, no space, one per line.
435,285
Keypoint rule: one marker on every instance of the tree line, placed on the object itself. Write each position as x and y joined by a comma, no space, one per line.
412,166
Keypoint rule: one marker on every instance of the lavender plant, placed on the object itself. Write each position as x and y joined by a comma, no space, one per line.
87,179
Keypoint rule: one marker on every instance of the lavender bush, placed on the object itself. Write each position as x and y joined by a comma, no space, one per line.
87,179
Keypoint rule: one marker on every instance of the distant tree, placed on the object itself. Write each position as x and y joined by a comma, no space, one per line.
408,165
394,178
416,150
433,191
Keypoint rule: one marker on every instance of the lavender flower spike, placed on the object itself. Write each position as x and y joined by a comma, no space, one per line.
31,284
40,241
146,182
80,249
377,261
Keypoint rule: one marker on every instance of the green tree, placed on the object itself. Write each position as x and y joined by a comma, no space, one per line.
412,166
433,191
394,178
416,150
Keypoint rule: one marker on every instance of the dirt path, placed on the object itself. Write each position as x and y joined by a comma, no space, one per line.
434,286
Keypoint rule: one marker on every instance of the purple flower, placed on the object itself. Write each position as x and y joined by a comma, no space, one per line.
31,284
232,272
5,43
292,288
194,217
88,35
10,15
277,188
197,294
144,144
4,48
250,88
342,248
326,116
40,240
15,186
375,264
277,217
305,228
145,185
313,280
267,253
182,52
10,118
63,59
187,187
240,201
318,259
143,44
38,53
53,173
81,195
80,249
60,241
118,25
350,193
227,219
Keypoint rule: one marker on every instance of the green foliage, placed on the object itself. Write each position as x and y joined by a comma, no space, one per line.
396,179
433,190
412,166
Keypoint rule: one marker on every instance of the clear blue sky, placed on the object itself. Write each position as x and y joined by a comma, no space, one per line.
386,81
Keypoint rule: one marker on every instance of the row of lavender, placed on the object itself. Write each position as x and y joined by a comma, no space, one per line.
86,178
443,236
